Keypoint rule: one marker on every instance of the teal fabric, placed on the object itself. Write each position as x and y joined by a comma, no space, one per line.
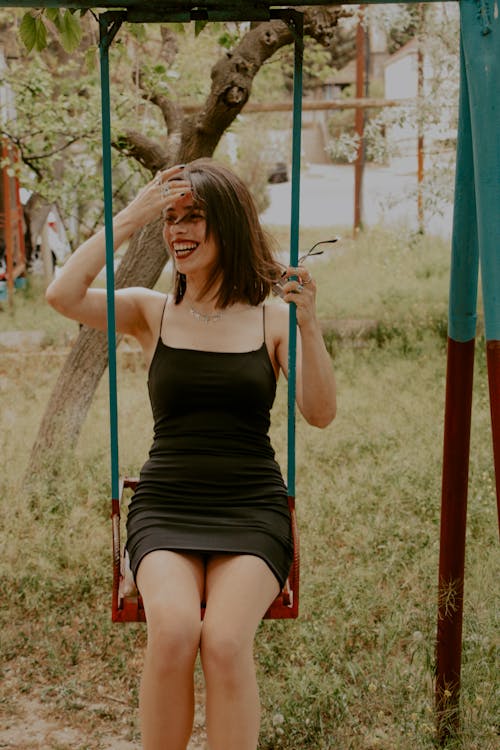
476,225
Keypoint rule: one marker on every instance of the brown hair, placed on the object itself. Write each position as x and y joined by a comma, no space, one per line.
246,267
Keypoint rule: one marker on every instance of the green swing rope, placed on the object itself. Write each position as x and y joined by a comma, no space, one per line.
298,24
109,24
107,33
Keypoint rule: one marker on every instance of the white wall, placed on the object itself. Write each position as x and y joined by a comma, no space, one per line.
7,109
401,82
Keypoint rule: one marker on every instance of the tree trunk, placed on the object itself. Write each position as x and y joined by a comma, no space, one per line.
142,264
69,402
87,361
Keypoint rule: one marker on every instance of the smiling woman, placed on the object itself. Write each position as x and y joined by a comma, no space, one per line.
185,232
209,517
220,205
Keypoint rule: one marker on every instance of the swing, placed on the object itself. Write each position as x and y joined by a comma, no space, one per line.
127,604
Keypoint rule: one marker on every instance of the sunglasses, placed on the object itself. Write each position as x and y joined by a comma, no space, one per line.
277,287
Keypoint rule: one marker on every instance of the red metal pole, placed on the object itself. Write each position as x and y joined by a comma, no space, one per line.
420,143
7,207
457,423
420,125
493,360
19,219
359,124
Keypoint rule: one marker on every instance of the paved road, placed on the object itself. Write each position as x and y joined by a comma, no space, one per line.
327,199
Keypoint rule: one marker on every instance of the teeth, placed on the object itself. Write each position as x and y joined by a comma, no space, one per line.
184,246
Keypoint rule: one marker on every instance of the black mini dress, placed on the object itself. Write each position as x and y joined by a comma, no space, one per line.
211,484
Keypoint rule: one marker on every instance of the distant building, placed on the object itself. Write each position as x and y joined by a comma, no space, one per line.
7,107
316,133
401,80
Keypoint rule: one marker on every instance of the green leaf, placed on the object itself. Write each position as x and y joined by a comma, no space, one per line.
27,31
179,28
52,14
71,31
199,26
138,31
40,35
227,40
91,58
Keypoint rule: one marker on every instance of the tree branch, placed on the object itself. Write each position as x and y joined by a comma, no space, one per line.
75,139
321,23
24,158
170,111
233,75
147,152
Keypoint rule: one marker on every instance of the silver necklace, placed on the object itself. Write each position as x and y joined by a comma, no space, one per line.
205,317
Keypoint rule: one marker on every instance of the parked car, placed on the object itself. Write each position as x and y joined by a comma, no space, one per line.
278,173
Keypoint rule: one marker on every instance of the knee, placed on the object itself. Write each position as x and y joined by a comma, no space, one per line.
173,637
225,654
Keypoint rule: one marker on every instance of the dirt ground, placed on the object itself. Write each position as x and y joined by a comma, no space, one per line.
32,725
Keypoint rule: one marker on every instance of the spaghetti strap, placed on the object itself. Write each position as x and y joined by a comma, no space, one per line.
162,315
264,321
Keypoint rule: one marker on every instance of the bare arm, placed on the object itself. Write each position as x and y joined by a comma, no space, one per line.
71,293
316,387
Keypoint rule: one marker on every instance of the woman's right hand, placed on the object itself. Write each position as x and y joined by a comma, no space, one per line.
162,192
70,292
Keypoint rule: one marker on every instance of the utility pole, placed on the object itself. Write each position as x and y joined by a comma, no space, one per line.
420,124
359,122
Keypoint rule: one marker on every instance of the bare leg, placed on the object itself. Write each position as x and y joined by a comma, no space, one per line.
239,589
171,586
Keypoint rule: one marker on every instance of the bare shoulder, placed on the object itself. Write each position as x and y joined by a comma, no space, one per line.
141,296
277,324
277,318
145,305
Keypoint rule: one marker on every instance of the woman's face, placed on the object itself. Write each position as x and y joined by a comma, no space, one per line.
185,232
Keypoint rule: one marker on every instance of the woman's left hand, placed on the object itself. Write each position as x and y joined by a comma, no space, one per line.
316,392
300,288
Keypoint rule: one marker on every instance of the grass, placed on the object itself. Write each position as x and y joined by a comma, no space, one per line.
355,672
29,313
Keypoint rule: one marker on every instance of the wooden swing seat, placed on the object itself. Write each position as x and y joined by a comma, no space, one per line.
127,604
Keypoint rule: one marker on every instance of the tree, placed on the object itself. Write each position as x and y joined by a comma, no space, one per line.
436,28
187,137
